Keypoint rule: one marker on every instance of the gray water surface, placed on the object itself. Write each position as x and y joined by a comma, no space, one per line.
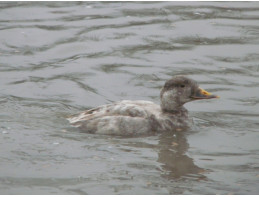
59,58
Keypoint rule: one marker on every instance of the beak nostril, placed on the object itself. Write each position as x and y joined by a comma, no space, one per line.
203,94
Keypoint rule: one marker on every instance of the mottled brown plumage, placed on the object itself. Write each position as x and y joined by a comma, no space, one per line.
143,117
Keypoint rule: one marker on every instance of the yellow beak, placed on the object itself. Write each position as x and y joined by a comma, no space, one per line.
203,94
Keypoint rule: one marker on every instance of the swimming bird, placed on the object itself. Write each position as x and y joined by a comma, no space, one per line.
143,117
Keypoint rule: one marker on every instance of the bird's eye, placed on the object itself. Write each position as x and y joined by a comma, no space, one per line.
182,85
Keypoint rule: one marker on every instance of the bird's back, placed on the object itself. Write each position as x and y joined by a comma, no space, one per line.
120,118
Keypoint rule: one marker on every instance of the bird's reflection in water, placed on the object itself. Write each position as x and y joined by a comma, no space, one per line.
172,155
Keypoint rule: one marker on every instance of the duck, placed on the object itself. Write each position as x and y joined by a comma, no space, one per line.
140,117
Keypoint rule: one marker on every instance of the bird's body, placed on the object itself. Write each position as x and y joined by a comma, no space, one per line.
129,118
142,117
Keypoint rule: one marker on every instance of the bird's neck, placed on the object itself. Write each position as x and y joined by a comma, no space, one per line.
171,106
171,101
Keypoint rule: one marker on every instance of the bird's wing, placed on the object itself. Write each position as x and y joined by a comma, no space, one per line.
122,108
